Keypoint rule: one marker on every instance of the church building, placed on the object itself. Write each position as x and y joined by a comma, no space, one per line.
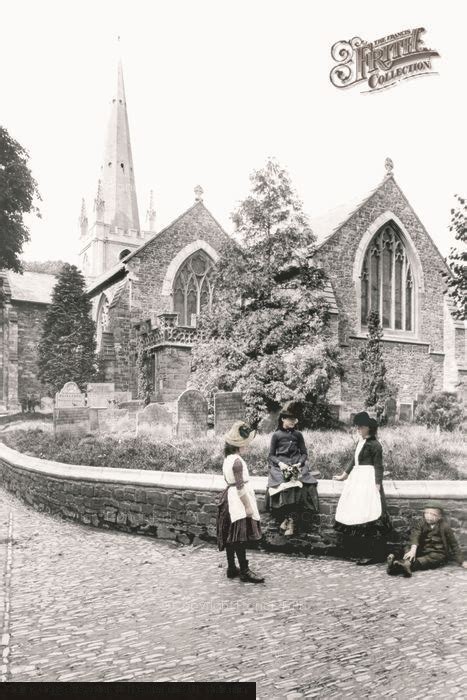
148,287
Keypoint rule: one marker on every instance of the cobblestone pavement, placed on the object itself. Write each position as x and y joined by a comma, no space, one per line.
92,605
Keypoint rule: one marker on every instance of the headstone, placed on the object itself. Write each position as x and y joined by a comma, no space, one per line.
192,414
121,397
70,396
115,420
47,404
100,394
269,423
405,412
71,419
133,405
157,420
228,407
335,410
390,409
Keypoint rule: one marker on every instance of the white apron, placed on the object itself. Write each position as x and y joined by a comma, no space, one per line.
360,501
236,507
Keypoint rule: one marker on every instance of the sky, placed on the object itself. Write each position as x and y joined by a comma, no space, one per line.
215,87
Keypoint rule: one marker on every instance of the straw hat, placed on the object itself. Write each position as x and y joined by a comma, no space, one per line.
240,434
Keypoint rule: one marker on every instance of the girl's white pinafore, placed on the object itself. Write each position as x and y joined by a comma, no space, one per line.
360,501
236,507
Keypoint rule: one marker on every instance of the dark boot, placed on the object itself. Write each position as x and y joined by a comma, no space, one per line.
232,570
402,566
390,565
247,575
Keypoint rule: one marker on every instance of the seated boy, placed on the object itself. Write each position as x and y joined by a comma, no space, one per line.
432,542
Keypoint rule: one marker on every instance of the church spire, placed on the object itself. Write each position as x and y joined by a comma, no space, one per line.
117,174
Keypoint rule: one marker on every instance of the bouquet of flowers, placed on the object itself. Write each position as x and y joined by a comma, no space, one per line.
291,472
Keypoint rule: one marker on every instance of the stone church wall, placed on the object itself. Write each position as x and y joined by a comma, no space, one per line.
406,362
155,258
30,322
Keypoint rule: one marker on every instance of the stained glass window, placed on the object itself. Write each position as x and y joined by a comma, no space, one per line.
193,287
387,281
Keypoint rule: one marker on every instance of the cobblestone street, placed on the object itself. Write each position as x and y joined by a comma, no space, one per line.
80,604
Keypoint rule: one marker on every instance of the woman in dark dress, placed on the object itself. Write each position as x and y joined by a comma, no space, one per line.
361,516
292,488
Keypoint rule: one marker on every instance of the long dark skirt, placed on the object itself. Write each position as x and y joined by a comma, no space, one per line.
293,500
366,539
244,530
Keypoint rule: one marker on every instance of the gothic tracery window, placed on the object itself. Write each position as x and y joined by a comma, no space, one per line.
387,281
193,287
102,321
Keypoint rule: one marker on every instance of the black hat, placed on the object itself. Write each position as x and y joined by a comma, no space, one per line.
362,418
291,409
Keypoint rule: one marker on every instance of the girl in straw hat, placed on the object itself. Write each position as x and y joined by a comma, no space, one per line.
238,520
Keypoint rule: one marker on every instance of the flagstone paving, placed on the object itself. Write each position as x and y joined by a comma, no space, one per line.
93,605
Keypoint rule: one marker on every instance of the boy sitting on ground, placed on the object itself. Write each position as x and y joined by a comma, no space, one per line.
432,542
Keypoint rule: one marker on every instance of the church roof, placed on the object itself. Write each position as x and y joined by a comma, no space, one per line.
35,287
325,225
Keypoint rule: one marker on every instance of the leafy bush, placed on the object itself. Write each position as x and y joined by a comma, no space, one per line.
410,452
442,409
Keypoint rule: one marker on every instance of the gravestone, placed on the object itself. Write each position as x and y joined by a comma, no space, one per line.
192,414
71,419
405,412
390,409
100,394
121,397
157,420
47,404
70,396
114,420
228,407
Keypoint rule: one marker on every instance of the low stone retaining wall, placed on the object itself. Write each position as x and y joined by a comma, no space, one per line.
182,507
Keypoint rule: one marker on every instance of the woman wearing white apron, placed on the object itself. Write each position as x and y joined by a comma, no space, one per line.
361,516
238,520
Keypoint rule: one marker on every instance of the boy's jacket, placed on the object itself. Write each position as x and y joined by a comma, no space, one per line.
420,530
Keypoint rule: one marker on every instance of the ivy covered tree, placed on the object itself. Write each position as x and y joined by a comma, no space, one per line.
18,190
457,261
376,388
67,350
266,333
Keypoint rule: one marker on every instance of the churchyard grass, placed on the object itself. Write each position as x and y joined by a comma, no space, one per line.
410,451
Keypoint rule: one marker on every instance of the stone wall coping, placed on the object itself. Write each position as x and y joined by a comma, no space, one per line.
454,490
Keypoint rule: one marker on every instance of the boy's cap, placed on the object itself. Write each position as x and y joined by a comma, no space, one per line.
435,506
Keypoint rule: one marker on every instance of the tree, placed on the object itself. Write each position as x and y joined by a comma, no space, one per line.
457,261
48,267
376,387
265,334
18,189
67,350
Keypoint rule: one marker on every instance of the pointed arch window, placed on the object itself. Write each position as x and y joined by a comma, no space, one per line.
193,287
102,320
387,282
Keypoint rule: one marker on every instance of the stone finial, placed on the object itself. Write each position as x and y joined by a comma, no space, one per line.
99,203
389,165
198,193
83,218
151,212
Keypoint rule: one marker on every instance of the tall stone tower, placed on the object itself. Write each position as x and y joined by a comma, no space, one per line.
115,229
